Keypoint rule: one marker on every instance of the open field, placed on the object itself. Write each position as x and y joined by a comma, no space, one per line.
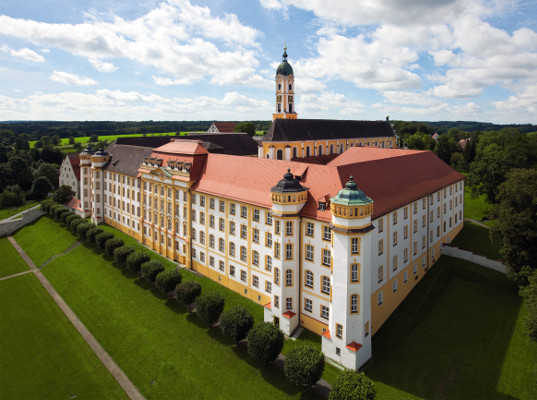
8,212
475,208
43,239
42,356
458,335
477,239
109,138
11,262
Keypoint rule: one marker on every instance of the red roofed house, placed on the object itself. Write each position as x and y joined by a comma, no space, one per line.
222,127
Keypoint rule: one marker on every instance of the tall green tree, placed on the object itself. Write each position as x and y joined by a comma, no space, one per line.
516,223
445,146
63,194
49,171
245,127
41,187
529,293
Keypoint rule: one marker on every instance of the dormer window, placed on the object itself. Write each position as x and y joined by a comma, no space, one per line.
322,205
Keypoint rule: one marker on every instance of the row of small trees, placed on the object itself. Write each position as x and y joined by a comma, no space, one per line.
304,365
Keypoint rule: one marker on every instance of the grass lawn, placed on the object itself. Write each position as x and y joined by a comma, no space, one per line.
164,351
10,262
477,239
475,208
85,139
42,356
8,212
43,239
458,335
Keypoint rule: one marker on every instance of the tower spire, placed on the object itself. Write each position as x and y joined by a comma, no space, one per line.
285,107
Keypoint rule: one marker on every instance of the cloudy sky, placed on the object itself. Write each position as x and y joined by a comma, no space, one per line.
216,60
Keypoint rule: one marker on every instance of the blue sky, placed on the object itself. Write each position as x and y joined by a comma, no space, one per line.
216,60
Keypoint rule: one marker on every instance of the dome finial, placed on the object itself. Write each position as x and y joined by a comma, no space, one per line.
351,184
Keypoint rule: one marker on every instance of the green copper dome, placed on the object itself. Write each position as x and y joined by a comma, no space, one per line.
284,68
350,195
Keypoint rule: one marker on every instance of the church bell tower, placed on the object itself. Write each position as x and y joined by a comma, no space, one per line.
285,90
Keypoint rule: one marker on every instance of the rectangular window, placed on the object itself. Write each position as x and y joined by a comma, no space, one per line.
243,253
255,238
232,208
288,277
221,224
394,263
289,303
202,218
244,212
394,238
231,227
243,276
255,281
381,225
268,287
244,233
308,305
268,263
202,201
211,204
211,261
277,250
202,256
355,273
327,233
405,276
394,286
221,265
309,228
405,232
380,298
288,251
394,217
256,215
289,228
211,221
277,276
325,312
193,199
355,245
221,244
381,247
354,304
255,258
405,255
327,259
309,279
232,249
222,206
268,218
380,274
309,252
268,240
276,301
339,331
325,285
405,213
231,270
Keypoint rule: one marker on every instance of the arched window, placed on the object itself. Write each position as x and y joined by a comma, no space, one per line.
331,149
320,150
232,249
295,152
341,148
255,258
279,107
279,155
290,107
308,151
290,87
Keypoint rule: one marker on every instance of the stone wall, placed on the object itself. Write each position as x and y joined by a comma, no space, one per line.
7,227
475,258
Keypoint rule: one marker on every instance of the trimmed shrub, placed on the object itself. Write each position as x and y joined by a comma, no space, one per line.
59,211
75,222
135,260
92,233
121,253
81,229
151,269
69,219
351,385
236,323
101,239
167,280
46,204
265,342
187,292
210,306
111,244
66,215
304,366
52,210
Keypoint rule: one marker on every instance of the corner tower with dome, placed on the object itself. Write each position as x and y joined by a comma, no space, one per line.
285,90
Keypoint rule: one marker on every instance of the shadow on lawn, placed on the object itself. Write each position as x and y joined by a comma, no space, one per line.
449,337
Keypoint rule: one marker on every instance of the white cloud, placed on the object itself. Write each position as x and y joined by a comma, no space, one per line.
176,38
319,105
521,106
105,104
102,66
26,54
161,81
71,79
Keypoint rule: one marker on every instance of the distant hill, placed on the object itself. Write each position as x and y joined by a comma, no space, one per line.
471,126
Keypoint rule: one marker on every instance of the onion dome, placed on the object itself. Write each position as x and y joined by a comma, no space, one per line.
288,184
350,195
101,153
87,150
284,68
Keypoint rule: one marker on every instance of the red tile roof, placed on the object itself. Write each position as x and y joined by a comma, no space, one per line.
225,126
75,164
289,314
326,334
354,346
190,147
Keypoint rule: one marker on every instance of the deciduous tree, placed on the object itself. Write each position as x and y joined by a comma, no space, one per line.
187,292
210,306
351,385
236,323
265,342
304,365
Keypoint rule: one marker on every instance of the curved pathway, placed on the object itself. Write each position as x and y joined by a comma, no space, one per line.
99,351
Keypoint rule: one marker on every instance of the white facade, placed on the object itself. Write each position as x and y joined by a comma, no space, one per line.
68,177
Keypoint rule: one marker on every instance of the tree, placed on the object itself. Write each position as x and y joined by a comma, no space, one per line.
419,141
245,127
187,292
94,138
75,222
529,293
69,219
210,306
102,238
236,323
111,244
167,280
135,260
41,187
21,170
516,223
46,204
50,171
121,253
304,365
66,215
71,140
265,342
351,385
59,211
63,194
457,161
445,146
151,269
12,196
